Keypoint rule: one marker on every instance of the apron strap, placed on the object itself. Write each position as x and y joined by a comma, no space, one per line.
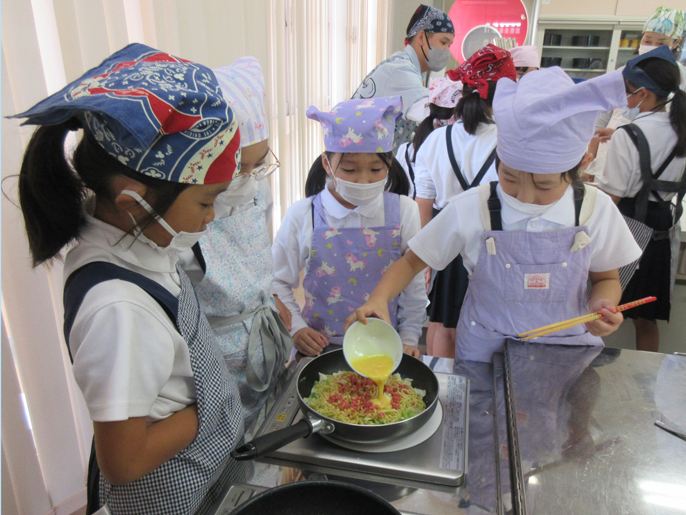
494,206
456,168
484,194
651,184
587,205
453,161
83,279
197,252
268,327
410,169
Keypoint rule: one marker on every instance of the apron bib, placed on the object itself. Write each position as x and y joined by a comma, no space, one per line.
190,482
523,280
235,294
345,266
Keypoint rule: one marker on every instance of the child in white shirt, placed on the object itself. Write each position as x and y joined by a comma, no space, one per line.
349,231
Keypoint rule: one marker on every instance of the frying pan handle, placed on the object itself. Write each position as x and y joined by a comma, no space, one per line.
272,441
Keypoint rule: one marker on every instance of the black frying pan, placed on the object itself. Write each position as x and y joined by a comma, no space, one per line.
328,363
316,497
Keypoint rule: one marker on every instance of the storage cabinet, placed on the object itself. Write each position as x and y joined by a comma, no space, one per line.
586,47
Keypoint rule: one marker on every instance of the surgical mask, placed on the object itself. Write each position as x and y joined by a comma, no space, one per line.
181,241
524,207
644,49
632,112
359,194
243,194
437,58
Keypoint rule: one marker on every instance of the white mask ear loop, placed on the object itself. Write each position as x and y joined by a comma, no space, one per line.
150,210
333,173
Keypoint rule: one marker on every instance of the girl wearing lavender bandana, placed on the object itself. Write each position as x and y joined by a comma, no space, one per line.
350,229
429,36
532,240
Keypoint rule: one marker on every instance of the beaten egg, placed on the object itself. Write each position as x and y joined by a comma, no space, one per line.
378,369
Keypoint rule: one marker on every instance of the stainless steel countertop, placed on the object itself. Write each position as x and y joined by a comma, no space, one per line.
583,437
584,423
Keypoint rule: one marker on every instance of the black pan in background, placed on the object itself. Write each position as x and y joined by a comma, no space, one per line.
547,62
316,498
552,39
585,40
586,62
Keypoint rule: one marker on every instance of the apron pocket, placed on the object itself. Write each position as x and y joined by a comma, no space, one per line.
536,283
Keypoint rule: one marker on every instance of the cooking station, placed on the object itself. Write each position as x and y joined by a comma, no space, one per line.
543,429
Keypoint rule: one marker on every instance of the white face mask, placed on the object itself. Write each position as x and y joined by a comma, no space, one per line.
632,112
181,241
524,207
358,194
244,194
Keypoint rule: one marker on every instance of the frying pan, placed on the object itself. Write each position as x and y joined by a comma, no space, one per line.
316,497
329,363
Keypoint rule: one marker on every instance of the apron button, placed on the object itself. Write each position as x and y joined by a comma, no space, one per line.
564,265
507,265
473,323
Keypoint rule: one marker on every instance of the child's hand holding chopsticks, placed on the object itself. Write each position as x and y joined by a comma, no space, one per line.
610,321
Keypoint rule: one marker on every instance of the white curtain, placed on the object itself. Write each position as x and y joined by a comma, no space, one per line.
313,52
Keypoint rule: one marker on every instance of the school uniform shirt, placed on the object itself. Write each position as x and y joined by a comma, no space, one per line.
401,75
458,229
433,173
129,358
293,245
400,156
187,259
622,173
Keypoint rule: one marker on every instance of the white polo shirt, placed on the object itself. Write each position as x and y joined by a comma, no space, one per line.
434,176
458,229
293,245
129,358
622,173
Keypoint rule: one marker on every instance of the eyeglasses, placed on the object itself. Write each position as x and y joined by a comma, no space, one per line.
261,172
632,93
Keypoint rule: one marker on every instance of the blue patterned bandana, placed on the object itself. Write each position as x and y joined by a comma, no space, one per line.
431,20
159,115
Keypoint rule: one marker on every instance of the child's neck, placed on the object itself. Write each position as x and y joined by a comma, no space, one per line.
341,200
109,213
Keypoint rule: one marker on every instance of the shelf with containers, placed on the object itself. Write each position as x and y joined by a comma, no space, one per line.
588,46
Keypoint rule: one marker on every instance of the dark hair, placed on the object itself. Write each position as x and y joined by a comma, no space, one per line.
397,179
474,110
52,189
572,176
427,126
668,77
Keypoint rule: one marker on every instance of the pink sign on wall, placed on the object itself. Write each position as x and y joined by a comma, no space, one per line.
476,21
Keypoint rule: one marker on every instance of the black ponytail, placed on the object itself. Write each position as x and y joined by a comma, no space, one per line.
52,189
397,179
668,78
677,117
50,194
474,110
427,126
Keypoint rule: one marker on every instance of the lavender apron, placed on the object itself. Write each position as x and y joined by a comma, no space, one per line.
345,266
235,294
523,280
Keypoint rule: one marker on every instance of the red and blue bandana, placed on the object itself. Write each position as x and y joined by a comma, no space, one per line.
159,115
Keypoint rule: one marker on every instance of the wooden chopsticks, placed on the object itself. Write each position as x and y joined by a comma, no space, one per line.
565,324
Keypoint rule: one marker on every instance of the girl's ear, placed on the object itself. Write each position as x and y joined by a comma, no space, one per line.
588,157
126,202
326,164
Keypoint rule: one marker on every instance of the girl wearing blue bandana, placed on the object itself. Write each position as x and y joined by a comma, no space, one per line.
644,171
159,145
429,36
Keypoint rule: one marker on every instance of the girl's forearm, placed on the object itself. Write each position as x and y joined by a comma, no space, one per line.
398,277
129,449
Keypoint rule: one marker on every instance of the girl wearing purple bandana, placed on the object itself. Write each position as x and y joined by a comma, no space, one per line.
350,229
532,240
